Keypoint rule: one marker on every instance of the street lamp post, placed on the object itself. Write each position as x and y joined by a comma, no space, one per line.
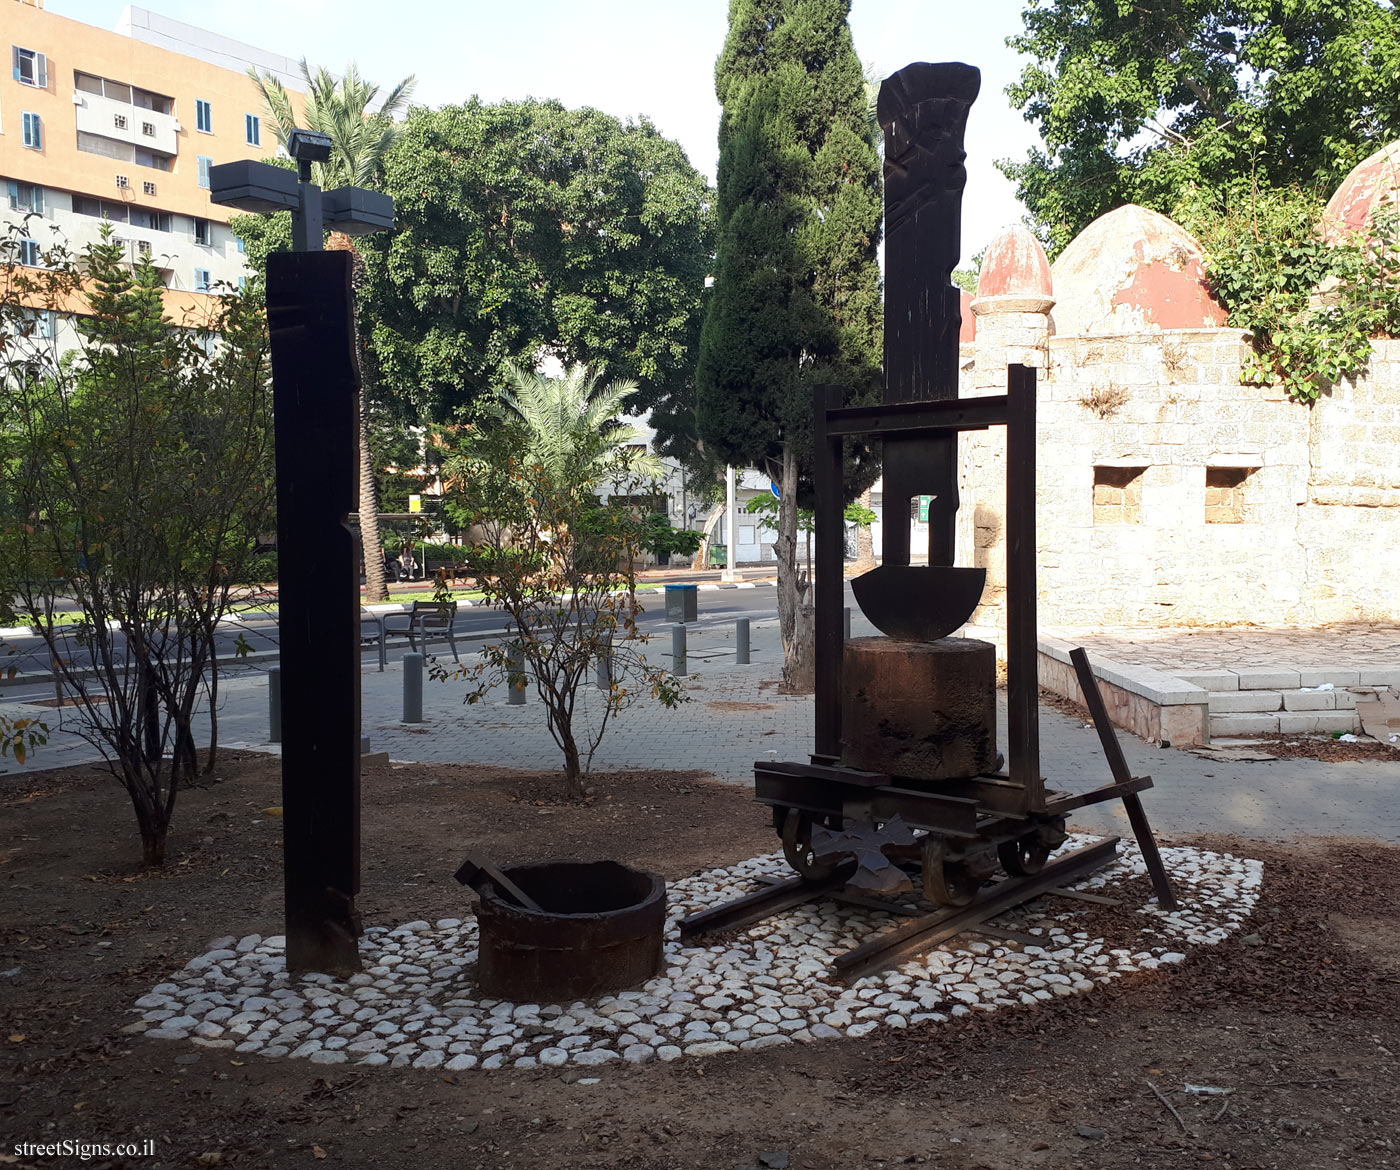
315,385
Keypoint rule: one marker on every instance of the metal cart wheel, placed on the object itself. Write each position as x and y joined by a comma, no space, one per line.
1024,856
797,847
946,883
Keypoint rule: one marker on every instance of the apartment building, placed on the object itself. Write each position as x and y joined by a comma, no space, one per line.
122,127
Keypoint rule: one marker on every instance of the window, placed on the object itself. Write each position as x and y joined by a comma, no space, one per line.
123,183
157,103
33,131
203,116
26,197
119,121
202,281
28,251
1118,495
41,323
205,162
110,147
239,244
252,129
30,68
201,232
148,129
242,284
143,247
147,187
145,217
1225,494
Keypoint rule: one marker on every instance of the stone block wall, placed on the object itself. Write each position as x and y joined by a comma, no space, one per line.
1168,493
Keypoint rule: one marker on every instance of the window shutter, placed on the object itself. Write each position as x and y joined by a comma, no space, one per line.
41,70
14,195
38,199
14,60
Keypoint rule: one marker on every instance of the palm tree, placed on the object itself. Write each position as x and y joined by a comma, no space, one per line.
572,427
359,142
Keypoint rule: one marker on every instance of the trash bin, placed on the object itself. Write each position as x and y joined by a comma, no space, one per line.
681,603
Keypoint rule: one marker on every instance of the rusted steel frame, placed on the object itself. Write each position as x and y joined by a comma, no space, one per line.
1063,804
760,904
922,418
917,936
999,796
830,579
1081,896
1118,765
846,898
950,815
826,772
1022,687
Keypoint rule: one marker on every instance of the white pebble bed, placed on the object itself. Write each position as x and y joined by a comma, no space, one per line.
416,1003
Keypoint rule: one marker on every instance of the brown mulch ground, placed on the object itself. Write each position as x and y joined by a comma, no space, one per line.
1298,1015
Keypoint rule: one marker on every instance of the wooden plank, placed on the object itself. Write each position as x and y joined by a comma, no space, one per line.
917,936
1118,765
919,419
1022,688
1063,804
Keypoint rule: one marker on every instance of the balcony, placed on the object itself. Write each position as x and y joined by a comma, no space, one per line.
125,122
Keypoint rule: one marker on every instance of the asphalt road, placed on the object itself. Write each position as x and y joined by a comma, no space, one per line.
261,634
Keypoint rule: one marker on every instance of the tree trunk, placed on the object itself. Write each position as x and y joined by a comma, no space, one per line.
865,540
573,771
702,554
371,546
795,619
154,826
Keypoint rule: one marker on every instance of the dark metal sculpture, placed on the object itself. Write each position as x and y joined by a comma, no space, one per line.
923,109
835,820
315,383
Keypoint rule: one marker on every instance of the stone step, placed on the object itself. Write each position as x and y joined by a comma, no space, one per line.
1236,702
1279,678
1288,722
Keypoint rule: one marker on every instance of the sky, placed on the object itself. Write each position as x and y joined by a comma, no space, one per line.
628,58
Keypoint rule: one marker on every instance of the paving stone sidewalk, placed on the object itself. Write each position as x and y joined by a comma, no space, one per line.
1170,649
733,719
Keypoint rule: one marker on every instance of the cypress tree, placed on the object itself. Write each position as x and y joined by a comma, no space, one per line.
796,297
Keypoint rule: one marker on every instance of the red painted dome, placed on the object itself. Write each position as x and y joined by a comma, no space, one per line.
1014,265
1129,271
1373,182
967,331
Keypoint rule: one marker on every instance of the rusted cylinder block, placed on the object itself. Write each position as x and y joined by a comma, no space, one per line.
922,710
599,930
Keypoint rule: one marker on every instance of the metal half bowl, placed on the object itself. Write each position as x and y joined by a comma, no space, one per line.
919,603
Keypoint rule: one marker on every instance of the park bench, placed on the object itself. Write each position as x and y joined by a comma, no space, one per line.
423,619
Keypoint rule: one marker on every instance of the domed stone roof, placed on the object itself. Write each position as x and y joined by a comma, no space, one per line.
1373,182
1132,270
1014,265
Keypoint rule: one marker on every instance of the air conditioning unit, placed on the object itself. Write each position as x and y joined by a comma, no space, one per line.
123,183
178,127
78,99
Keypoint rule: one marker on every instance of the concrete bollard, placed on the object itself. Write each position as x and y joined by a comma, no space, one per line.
274,704
413,688
846,622
678,650
515,680
741,642
604,672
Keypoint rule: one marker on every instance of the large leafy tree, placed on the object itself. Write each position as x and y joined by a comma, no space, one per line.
796,296
1153,103
528,229
360,140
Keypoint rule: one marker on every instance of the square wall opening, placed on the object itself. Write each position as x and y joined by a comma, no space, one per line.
1118,495
1225,494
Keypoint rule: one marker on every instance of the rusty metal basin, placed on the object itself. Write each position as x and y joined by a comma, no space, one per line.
599,929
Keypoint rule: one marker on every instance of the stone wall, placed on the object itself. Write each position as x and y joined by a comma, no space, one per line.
1170,494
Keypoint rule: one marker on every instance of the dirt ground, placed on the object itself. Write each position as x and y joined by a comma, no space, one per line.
1298,1016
